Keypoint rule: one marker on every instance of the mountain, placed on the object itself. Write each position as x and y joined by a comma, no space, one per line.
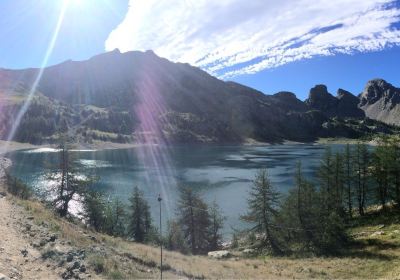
381,101
140,97
345,105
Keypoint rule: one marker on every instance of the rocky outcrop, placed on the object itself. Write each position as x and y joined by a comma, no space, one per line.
347,105
320,99
381,101
344,105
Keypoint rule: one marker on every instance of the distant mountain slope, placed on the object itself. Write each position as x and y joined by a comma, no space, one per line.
138,96
381,101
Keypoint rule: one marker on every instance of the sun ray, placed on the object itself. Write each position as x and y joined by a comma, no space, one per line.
35,84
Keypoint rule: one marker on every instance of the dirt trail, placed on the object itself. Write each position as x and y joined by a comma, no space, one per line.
18,258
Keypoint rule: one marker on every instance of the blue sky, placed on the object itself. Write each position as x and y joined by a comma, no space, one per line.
269,45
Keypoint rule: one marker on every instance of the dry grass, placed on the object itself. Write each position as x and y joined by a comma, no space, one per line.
370,256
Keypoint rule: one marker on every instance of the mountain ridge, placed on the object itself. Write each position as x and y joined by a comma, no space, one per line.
140,97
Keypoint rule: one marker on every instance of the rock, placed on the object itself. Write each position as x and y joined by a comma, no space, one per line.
3,277
30,217
52,238
82,268
219,254
3,194
320,99
75,265
381,232
381,101
70,257
28,227
24,252
380,226
226,245
248,251
396,231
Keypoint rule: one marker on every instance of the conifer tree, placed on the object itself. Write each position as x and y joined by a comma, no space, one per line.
361,161
216,224
263,205
115,217
348,178
139,219
94,209
194,219
70,185
381,162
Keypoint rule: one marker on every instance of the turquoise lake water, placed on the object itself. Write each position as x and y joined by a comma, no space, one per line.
221,173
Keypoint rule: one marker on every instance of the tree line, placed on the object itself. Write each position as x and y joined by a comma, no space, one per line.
315,215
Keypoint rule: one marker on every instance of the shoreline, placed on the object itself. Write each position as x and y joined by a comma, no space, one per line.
12,146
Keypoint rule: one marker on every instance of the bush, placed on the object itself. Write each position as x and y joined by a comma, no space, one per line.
17,187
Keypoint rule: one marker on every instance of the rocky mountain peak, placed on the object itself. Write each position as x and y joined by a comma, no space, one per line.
341,94
320,99
380,90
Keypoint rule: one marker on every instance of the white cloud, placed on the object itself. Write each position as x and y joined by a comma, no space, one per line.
235,37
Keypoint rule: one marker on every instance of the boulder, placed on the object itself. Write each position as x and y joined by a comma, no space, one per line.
226,245
219,254
376,233
248,251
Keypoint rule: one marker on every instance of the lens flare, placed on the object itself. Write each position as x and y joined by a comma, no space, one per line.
35,84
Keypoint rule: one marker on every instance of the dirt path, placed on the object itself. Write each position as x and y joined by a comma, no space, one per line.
18,258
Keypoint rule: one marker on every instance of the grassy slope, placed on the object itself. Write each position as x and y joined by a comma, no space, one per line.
369,257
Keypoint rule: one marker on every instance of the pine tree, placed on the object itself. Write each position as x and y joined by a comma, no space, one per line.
348,178
338,182
70,185
381,162
307,201
361,161
394,170
115,217
216,225
194,219
263,202
175,240
94,209
139,217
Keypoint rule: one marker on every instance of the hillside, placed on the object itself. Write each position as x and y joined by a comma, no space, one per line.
37,244
140,97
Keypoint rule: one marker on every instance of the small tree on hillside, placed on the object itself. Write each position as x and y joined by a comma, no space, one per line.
194,219
348,178
262,203
94,210
361,161
216,225
70,184
115,218
139,217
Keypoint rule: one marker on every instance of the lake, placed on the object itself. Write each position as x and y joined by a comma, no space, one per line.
221,173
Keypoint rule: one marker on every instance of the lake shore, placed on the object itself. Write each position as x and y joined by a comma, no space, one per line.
11,146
